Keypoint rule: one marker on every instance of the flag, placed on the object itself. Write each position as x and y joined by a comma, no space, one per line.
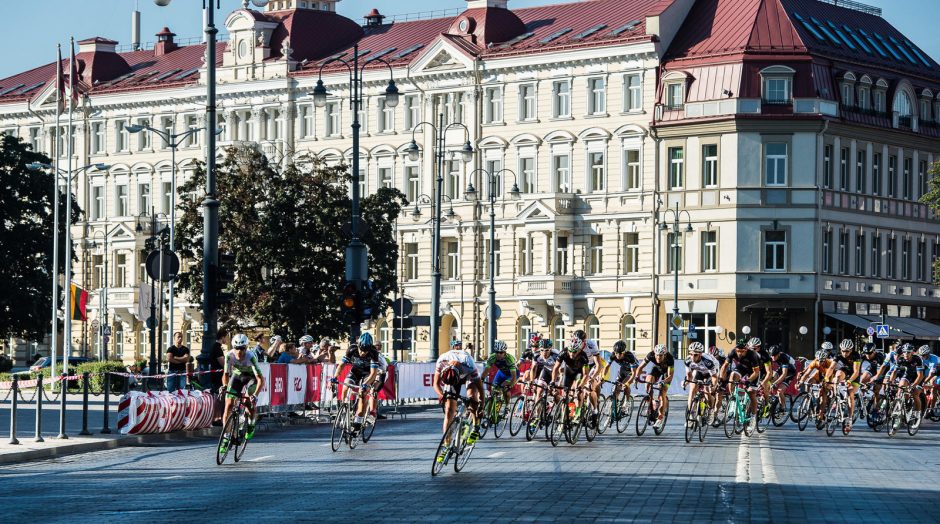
74,95
79,303
59,84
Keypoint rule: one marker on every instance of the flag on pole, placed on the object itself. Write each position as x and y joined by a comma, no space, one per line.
79,299
59,85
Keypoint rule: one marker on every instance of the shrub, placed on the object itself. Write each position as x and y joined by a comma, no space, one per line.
96,371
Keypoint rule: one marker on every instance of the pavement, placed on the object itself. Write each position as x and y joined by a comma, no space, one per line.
291,474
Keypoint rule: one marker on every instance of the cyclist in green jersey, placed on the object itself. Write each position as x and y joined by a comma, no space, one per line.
505,364
242,372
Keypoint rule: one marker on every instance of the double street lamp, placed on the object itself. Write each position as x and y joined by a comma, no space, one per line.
156,241
357,253
677,253
493,181
103,297
414,153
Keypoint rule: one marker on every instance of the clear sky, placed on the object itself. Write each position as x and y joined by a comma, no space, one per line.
33,27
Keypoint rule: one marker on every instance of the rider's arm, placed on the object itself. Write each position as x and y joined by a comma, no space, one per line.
555,370
436,385
856,371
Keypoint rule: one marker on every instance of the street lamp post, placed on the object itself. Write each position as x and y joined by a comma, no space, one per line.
156,241
357,253
492,180
664,226
103,300
414,153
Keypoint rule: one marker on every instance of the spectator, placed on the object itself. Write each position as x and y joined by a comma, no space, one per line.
472,353
258,350
178,357
275,345
326,352
291,355
216,364
306,347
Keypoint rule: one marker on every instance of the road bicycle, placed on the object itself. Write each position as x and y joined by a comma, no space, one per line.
779,411
343,429
234,431
838,413
648,412
903,412
697,415
809,404
565,418
738,415
529,411
616,410
455,443
495,410
932,406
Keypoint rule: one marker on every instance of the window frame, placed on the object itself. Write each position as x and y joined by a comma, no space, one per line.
709,241
710,163
633,94
561,99
776,157
775,246
676,169
597,96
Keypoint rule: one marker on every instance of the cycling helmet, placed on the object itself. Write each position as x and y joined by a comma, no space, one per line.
907,348
365,340
753,343
575,343
696,348
499,346
868,348
923,350
240,341
454,344
545,343
822,354
306,339
716,351
774,350
826,346
449,377
846,344
660,349
620,346
534,340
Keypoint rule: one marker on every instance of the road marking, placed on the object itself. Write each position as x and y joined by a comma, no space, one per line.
767,469
496,455
742,473
259,459
173,477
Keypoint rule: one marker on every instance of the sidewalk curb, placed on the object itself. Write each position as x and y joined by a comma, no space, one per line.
112,443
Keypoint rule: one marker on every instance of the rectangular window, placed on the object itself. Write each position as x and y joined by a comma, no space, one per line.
777,91
597,255
194,139
598,167
775,164
676,168
922,270
363,119
710,165
97,202
631,253
97,138
492,105
494,182
527,102
860,254
877,179
307,121
169,128
876,256
561,165
844,169
675,96
412,112
413,173
123,136
527,174
632,169
633,100
848,95
97,262
35,138
452,181
562,252
864,98
561,95
453,260
860,181
120,270
597,96
411,261
827,166
890,263
843,252
922,177
775,250
893,176
386,117
386,178
525,256
167,196
363,182
145,137
827,252
709,251
675,256
120,201
906,248
496,258
143,198
331,121
907,180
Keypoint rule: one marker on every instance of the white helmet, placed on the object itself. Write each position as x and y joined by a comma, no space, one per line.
660,349
923,350
696,347
753,343
499,346
240,341
846,344
306,339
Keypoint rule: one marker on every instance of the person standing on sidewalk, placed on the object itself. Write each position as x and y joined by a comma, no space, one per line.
177,356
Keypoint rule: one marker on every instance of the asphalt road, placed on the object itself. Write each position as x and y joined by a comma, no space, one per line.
292,475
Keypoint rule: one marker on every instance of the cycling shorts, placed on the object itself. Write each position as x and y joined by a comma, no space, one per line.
659,374
238,383
624,374
501,377
701,375
568,379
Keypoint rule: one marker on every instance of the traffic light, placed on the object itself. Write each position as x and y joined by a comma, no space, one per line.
366,301
224,275
350,303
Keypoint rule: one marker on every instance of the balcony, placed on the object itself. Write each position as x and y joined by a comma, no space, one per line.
883,206
549,285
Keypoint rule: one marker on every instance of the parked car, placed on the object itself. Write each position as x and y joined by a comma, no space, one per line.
45,362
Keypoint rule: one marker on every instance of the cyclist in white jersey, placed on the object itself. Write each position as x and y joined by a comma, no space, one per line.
454,369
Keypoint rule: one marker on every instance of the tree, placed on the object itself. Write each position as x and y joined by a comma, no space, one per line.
26,233
932,199
286,230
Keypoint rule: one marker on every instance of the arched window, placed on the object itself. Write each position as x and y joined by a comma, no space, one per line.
902,105
593,329
628,332
557,332
523,333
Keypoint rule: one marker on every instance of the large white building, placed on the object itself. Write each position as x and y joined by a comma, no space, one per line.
606,111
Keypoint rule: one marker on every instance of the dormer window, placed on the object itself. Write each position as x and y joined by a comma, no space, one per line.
848,100
777,85
903,108
675,95
880,101
925,115
864,97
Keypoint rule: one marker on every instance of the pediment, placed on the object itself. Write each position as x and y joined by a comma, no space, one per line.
46,98
442,56
122,233
537,211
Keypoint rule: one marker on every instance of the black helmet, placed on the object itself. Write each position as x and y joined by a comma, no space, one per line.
546,343
868,348
774,350
580,334
620,346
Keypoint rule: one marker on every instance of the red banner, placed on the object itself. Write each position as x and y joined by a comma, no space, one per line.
517,389
278,385
388,389
313,383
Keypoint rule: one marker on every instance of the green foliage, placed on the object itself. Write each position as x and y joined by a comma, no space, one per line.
932,199
26,205
286,230
96,370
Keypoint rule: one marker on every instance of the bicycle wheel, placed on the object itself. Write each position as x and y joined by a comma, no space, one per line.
795,404
444,451
779,412
520,412
604,415
463,449
225,439
642,416
590,421
721,411
913,425
658,429
502,418
691,421
535,421
832,418
624,412
242,430
703,424
573,426
894,422
763,415
556,429
486,418
368,427
731,418
337,434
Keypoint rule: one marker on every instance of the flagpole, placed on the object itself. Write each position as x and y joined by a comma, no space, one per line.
67,336
55,235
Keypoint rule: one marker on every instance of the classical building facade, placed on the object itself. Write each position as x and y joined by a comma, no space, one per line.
604,113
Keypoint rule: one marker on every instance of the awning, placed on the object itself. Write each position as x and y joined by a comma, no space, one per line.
916,327
853,320
864,322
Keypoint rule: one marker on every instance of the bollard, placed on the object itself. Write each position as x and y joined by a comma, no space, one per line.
127,384
63,391
39,390
15,391
84,430
107,393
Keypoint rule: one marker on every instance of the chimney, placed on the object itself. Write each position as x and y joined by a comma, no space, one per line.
135,30
374,19
483,4
165,43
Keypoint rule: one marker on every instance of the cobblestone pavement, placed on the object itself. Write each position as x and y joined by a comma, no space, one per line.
292,475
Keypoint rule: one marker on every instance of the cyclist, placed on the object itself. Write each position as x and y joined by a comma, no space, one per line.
454,369
871,362
786,370
847,367
540,373
364,368
595,365
814,373
571,371
664,365
909,373
766,367
628,369
744,365
700,367
377,385
242,373
719,355
506,369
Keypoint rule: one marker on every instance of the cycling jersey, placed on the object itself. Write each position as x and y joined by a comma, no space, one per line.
705,367
908,369
746,364
362,361
461,361
574,365
891,361
246,365
931,364
785,363
846,363
871,364
660,369
507,364
627,363
765,359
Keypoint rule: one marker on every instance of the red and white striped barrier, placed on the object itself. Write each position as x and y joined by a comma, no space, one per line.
164,412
